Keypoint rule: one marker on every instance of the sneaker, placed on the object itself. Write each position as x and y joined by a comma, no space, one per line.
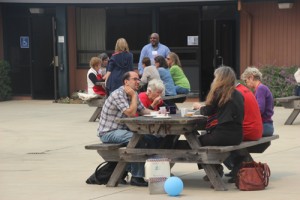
230,174
220,170
231,180
138,181
123,182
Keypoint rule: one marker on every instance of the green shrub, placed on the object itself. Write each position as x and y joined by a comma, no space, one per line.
280,80
5,83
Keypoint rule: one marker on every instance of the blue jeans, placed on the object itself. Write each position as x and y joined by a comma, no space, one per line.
181,90
297,90
268,129
123,136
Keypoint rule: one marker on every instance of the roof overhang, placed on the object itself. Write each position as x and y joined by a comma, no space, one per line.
108,1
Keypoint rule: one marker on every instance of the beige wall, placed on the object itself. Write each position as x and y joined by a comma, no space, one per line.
269,35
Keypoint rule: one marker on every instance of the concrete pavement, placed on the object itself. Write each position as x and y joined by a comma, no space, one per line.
42,156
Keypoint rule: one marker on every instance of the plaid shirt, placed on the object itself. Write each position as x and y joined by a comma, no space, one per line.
113,108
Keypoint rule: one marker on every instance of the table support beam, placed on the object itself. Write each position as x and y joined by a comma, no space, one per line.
292,117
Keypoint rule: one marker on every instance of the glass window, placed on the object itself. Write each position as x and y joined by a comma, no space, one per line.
132,23
90,33
175,24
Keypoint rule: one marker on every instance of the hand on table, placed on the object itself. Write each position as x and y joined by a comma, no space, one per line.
196,106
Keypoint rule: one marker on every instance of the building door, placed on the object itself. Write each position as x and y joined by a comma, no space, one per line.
218,47
42,57
29,50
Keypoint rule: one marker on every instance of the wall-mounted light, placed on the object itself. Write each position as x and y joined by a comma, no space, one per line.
285,4
36,10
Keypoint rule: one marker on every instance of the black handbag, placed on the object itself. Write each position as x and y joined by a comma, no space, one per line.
102,173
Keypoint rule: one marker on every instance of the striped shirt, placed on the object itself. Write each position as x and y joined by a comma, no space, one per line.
113,108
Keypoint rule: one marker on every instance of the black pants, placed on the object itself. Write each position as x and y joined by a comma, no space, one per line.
223,135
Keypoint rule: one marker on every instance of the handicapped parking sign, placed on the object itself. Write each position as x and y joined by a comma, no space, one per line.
24,42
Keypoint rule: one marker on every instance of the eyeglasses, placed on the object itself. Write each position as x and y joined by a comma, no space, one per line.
135,79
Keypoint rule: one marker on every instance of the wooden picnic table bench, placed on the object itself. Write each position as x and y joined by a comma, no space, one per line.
98,103
175,126
292,102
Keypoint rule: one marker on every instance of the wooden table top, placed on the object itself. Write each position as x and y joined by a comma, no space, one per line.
175,125
173,119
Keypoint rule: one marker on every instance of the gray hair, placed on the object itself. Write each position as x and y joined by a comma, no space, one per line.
156,84
251,71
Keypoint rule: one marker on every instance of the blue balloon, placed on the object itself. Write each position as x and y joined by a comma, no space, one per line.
173,186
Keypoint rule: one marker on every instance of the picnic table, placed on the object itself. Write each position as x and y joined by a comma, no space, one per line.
175,126
98,103
291,102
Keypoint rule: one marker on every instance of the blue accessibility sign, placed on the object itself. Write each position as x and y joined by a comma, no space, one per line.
24,42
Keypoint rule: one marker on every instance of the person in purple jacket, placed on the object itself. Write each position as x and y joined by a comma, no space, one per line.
252,78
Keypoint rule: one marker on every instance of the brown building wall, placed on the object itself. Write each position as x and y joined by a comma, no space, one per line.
77,76
269,35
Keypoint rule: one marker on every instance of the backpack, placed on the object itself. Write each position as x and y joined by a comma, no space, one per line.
103,173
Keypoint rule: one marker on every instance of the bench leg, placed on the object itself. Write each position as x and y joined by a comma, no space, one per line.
214,177
95,114
292,117
121,166
116,175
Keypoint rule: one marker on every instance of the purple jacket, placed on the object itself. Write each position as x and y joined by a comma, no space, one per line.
265,102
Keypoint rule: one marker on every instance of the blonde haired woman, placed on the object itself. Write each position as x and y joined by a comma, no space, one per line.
225,110
182,84
120,62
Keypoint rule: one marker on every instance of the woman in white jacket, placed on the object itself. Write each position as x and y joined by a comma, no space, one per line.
297,77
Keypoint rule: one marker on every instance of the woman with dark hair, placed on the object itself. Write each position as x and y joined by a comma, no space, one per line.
104,58
165,75
150,73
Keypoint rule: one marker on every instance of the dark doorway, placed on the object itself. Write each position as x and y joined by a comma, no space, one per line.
218,48
42,57
29,50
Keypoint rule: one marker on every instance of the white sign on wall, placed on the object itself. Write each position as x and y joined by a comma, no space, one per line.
192,40
24,42
61,39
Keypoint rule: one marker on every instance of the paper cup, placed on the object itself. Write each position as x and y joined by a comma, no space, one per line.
162,110
183,111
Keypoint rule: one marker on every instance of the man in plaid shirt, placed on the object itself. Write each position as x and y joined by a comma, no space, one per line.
124,102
